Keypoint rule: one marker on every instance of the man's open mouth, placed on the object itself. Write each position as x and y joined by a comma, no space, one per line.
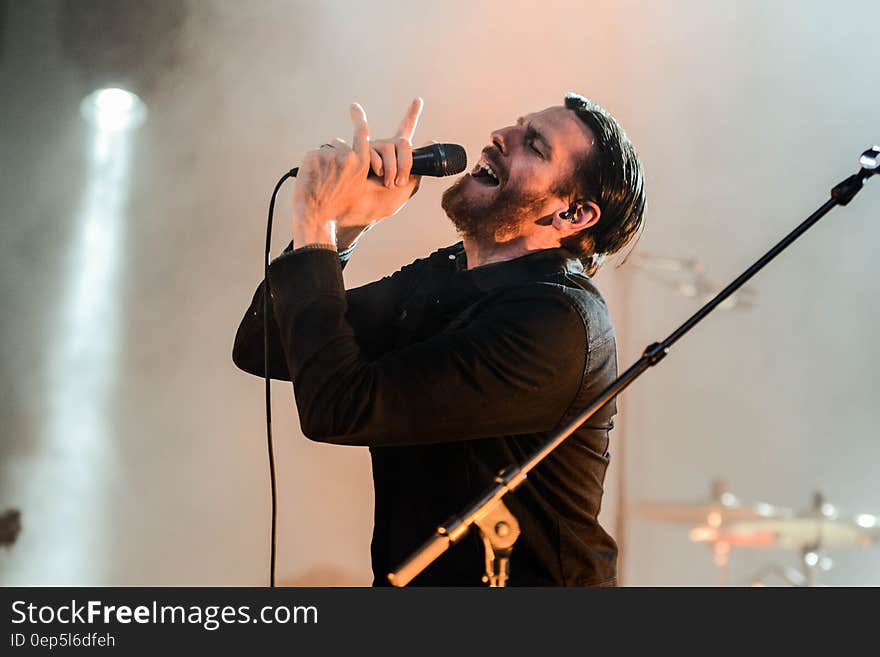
484,174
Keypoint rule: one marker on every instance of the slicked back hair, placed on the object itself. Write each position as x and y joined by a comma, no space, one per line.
612,177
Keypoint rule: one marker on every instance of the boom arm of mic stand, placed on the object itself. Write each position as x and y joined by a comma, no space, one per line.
454,529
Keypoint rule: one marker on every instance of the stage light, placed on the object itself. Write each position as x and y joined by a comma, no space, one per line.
113,109
80,430
866,520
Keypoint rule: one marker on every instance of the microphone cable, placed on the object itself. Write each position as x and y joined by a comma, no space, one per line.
290,174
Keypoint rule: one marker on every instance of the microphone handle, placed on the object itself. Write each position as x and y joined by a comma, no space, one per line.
433,160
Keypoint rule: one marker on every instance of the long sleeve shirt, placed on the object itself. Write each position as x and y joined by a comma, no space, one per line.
449,374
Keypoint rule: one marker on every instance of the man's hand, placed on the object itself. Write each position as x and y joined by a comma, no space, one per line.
333,192
391,159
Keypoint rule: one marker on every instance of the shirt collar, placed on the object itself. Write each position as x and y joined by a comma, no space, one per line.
533,266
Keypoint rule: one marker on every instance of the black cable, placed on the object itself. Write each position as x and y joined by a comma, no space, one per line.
290,174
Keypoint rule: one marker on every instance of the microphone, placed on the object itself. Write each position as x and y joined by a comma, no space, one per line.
439,160
436,160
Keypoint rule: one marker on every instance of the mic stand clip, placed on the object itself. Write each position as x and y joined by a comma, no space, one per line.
499,531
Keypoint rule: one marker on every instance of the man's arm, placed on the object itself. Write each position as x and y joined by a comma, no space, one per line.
372,309
514,369
247,349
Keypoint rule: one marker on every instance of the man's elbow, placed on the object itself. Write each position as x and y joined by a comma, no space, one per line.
245,359
324,437
316,436
319,430
339,410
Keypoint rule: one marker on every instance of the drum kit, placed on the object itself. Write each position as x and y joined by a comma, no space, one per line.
723,522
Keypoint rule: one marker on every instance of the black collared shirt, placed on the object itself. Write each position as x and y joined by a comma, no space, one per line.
448,375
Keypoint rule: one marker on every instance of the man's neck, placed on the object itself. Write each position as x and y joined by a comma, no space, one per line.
479,254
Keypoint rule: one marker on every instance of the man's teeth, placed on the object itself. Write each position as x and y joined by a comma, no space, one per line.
485,167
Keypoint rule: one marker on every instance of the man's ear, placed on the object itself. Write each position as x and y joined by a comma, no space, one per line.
577,217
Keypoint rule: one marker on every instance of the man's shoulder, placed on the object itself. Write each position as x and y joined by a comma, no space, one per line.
560,296
574,289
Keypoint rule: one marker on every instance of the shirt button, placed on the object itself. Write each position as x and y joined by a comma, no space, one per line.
452,256
403,314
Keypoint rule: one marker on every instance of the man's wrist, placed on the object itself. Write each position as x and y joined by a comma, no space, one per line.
346,236
307,230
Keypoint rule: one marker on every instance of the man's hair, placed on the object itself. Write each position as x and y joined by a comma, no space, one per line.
611,176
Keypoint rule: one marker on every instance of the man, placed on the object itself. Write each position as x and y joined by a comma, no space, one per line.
463,362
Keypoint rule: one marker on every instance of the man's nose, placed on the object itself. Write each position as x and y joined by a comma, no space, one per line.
498,141
503,138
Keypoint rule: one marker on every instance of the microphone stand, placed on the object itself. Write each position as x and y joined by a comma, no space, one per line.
495,522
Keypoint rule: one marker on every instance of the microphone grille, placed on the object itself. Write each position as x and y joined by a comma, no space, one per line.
456,159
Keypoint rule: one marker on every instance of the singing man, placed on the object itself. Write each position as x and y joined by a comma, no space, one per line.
465,361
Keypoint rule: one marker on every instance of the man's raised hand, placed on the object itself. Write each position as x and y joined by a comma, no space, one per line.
392,158
333,186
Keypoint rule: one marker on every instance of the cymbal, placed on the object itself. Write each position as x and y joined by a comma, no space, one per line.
820,526
804,532
721,536
721,509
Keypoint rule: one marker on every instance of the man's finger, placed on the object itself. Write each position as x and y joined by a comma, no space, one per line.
404,162
376,162
360,143
408,126
389,162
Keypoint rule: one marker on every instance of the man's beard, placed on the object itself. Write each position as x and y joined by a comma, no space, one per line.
489,221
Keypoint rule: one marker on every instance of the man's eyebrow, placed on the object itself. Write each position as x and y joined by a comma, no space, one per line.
533,132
